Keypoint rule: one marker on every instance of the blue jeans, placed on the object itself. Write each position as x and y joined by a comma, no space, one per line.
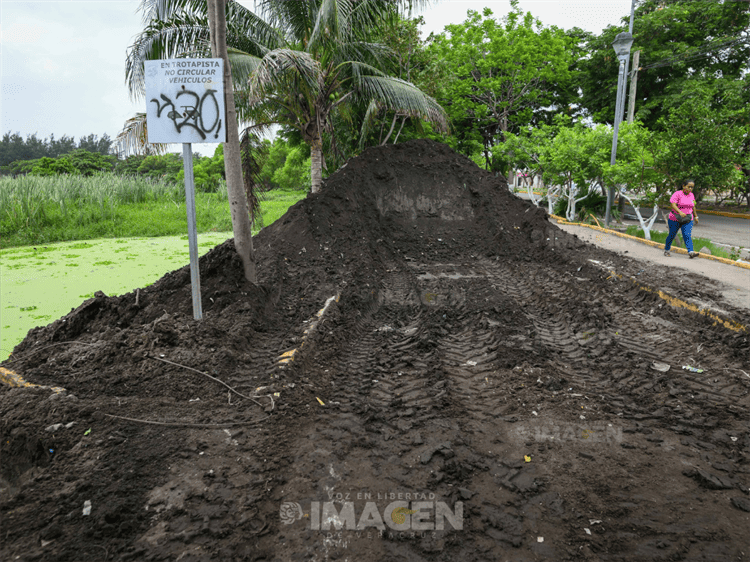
687,230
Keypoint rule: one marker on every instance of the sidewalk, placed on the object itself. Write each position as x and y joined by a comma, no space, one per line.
735,279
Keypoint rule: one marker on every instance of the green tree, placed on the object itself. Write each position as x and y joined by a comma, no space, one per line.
705,135
88,163
297,67
408,60
129,166
58,147
13,148
678,40
499,77
46,166
163,166
94,144
277,154
573,161
207,172
295,173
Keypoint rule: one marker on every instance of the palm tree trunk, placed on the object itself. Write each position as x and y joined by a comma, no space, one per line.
241,226
316,165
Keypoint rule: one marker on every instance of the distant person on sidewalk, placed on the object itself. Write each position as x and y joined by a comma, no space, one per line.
682,216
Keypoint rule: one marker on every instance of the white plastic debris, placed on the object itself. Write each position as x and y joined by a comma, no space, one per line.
588,531
540,539
87,508
471,363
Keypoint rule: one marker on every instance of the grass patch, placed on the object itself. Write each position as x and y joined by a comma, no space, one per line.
698,243
42,210
275,203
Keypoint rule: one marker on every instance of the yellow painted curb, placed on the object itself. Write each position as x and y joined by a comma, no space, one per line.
15,380
674,302
723,214
561,220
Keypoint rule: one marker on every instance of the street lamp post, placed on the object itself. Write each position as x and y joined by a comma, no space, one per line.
622,45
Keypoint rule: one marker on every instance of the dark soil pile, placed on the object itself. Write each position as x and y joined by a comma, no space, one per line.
467,333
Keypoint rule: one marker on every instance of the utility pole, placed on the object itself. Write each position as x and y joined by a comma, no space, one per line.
631,100
621,45
633,85
627,62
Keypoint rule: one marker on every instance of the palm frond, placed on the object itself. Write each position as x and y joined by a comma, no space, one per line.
243,65
364,52
163,40
165,9
179,28
133,139
332,24
296,18
282,66
371,116
401,96
252,154
244,25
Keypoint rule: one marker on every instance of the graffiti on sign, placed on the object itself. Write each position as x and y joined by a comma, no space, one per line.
192,115
185,100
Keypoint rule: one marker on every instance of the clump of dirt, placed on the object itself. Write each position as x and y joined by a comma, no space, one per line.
417,334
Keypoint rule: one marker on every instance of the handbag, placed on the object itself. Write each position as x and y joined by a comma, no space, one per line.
682,221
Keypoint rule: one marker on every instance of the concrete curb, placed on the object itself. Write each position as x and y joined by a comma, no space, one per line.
723,214
561,220
674,302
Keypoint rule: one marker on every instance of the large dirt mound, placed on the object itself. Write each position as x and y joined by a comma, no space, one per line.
465,328
390,205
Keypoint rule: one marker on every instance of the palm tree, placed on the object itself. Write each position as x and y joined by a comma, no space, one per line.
298,65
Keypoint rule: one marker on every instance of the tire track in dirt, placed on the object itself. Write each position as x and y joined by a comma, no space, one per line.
402,381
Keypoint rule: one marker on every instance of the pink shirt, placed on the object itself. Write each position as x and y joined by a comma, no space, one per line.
685,203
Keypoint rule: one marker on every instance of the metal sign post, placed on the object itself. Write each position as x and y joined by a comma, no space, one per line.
195,276
186,105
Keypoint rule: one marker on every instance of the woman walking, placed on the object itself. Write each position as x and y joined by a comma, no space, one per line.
682,216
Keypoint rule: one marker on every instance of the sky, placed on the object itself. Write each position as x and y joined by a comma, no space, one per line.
62,62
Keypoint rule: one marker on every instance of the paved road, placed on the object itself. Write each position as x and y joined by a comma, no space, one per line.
720,230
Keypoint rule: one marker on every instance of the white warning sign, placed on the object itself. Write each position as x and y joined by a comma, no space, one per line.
185,100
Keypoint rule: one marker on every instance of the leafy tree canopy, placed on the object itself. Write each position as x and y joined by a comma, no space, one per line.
705,130
500,77
679,40
14,148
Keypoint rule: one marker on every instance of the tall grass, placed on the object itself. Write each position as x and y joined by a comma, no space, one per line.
32,202
38,210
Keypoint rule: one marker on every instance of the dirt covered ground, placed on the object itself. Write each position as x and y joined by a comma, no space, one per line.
480,386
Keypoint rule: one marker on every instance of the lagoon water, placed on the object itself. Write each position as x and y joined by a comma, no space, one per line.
39,284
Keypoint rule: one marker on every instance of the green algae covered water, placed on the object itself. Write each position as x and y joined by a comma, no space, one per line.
39,284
